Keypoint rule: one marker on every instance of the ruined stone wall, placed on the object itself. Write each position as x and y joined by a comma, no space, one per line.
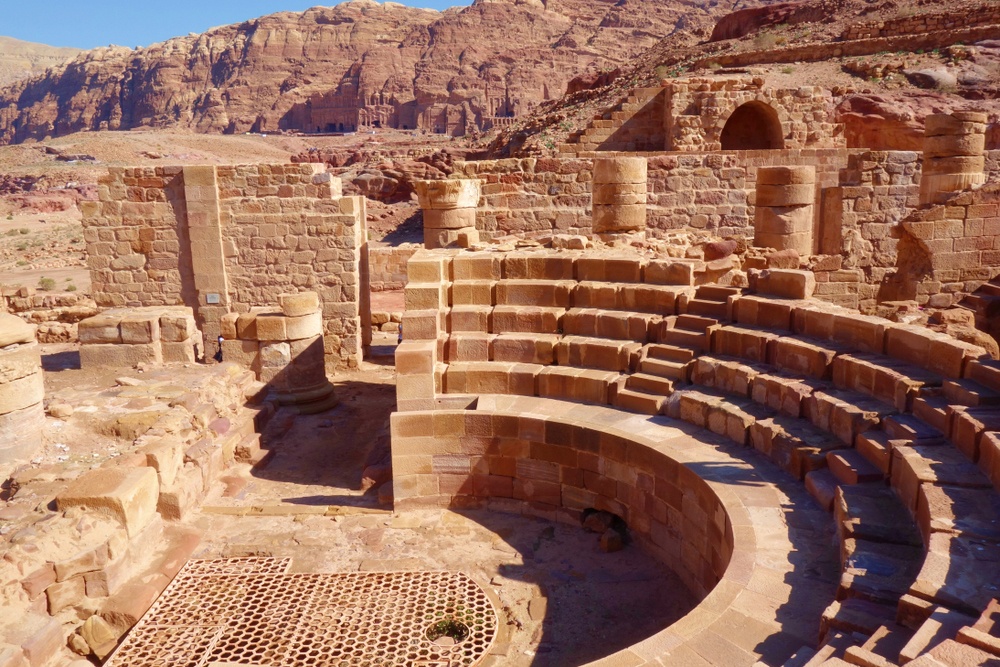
388,266
223,239
815,52
960,16
877,191
712,191
949,250
697,110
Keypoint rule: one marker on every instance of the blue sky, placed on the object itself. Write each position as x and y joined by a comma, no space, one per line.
86,24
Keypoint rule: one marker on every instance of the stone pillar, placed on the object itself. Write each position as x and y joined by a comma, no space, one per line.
292,359
954,159
784,208
619,195
208,263
21,392
449,209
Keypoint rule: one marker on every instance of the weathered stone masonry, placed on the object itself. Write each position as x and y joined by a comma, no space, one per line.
228,238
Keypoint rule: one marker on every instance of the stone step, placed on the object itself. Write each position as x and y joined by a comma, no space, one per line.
969,392
717,292
694,323
835,645
933,411
879,572
882,648
719,310
650,384
909,427
822,486
669,352
850,467
668,369
684,338
986,373
985,634
873,512
989,289
855,615
639,401
942,625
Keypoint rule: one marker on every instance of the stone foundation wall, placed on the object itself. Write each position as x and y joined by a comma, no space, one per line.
223,239
949,250
126,337
712,191
861,47
556,469
697,110
960,16
388,266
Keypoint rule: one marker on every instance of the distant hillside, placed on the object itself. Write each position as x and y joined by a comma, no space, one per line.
358,64
21,60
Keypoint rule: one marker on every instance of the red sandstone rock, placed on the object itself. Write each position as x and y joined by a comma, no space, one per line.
336,68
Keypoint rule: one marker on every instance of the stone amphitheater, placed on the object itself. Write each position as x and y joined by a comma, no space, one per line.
736,348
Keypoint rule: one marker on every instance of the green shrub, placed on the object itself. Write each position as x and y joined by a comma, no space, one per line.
46,284
71,288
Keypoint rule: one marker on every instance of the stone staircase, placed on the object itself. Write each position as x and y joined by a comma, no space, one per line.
642,108
893,429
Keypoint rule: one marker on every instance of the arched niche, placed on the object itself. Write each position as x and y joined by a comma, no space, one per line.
753,126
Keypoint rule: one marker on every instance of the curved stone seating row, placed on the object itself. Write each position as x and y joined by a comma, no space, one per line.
689,498
846,402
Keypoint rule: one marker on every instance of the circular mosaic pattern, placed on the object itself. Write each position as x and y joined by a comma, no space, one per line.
246,611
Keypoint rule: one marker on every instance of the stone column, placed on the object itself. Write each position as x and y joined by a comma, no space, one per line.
208,263
783,219
953,155
619,195
449,209
21,392
292,359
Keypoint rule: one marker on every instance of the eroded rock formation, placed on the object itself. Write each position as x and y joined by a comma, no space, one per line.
359,64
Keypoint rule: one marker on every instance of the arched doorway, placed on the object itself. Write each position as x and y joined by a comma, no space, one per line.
753,126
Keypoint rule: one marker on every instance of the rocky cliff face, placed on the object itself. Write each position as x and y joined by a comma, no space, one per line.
358,64
21,60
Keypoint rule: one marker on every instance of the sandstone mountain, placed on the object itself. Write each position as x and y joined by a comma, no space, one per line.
20,60
359,63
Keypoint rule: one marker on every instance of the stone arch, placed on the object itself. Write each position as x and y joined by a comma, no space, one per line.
753,126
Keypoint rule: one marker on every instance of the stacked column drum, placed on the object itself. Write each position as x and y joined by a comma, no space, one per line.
954,159
619,195
449,209
21,391
784,208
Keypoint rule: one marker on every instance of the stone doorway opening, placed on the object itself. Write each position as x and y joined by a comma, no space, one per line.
753,126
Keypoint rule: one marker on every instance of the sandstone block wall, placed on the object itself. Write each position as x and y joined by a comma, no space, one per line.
125,337
387,265
960,16
697,110
949,250
814,52
711,191
223,239
21,392
558,468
